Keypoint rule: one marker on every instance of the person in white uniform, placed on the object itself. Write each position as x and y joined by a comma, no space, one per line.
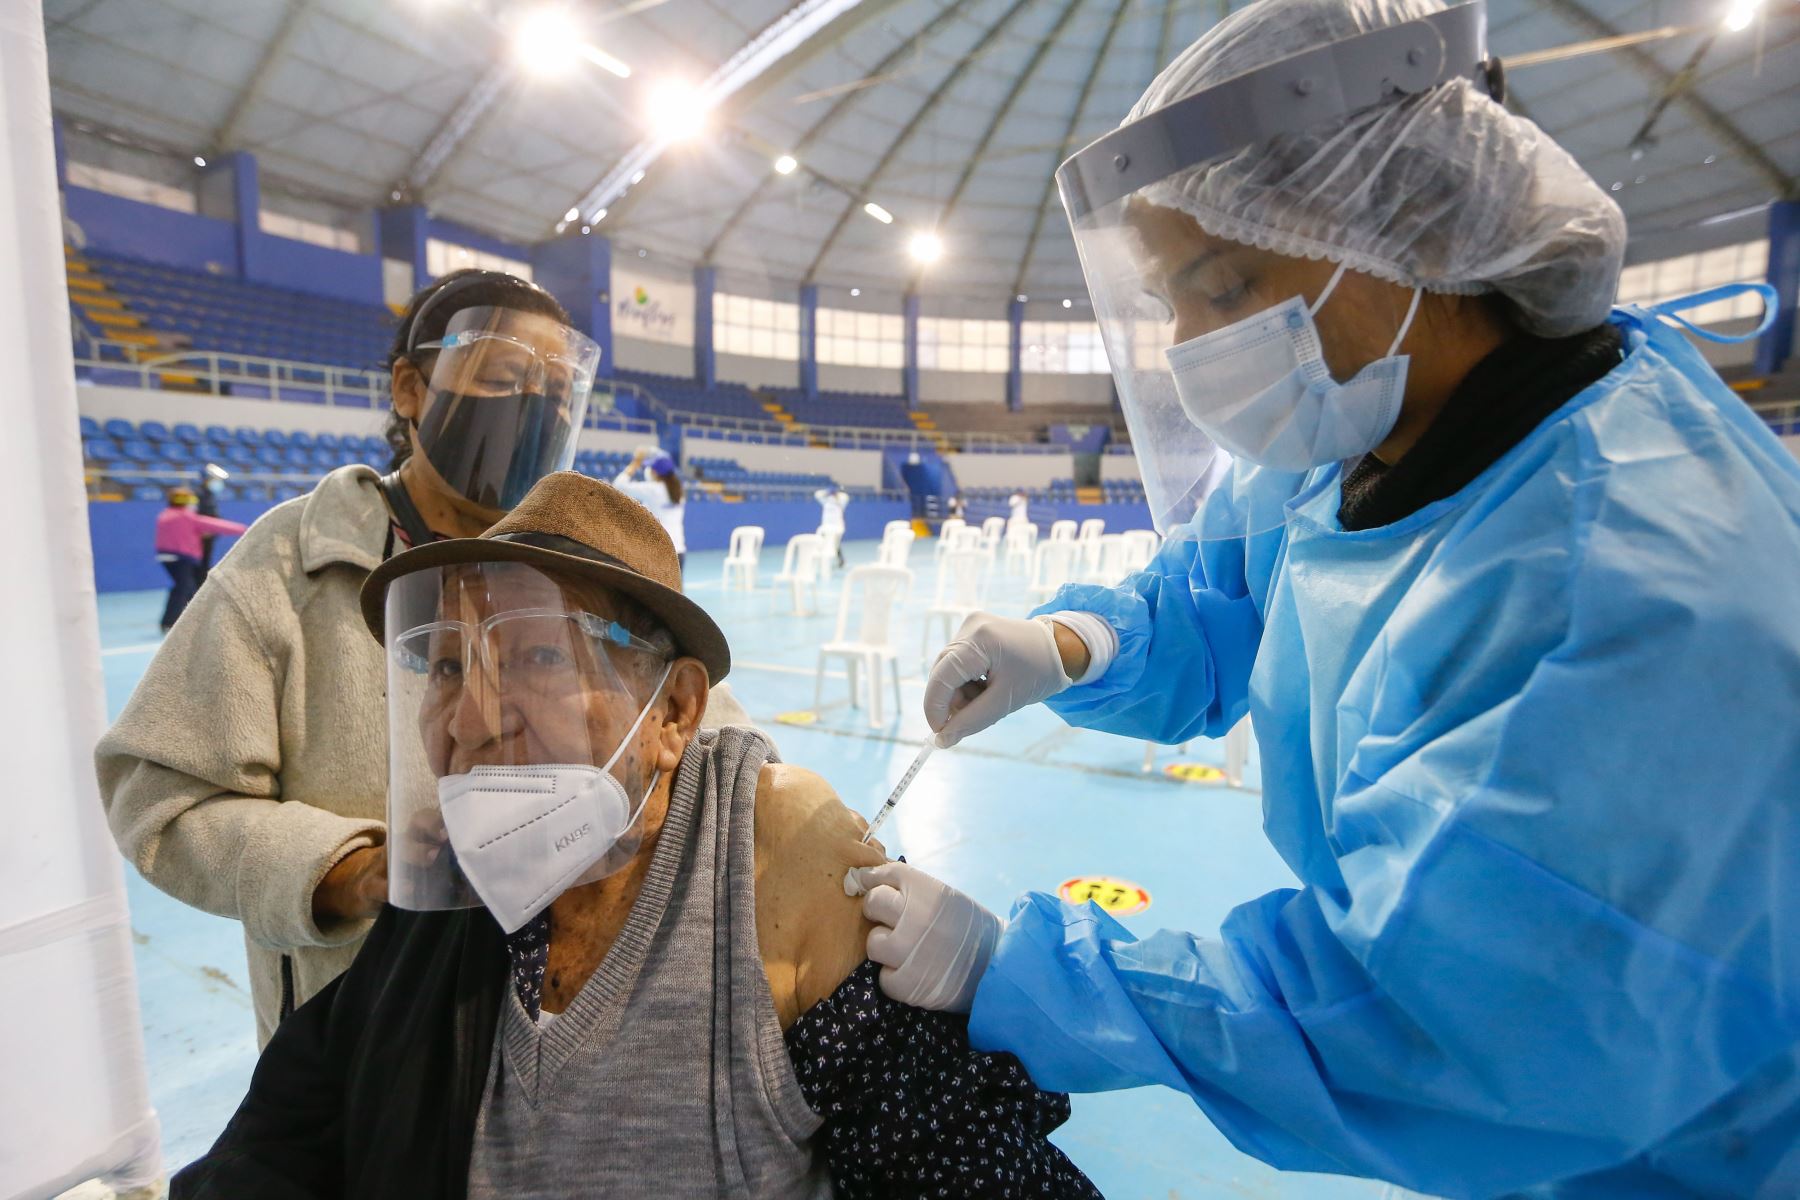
832,501
651,478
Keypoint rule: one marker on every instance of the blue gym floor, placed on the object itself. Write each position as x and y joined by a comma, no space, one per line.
1026,805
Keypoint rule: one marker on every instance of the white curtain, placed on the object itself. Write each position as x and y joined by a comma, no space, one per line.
74,1101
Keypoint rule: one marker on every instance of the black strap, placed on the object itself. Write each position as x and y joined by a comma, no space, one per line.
406,513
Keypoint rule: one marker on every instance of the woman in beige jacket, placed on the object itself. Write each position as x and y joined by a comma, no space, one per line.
247,776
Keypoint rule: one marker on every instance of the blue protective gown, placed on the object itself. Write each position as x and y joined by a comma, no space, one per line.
1534,754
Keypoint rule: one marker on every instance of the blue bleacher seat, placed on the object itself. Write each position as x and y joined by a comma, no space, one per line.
189,434
326,441
302,439
90,428
123,430
246,436
142,452
153,431
102,450
218,435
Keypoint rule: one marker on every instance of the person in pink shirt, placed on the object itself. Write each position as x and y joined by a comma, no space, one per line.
179,530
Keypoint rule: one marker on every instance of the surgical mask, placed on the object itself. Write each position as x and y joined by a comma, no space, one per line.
1260,388
525,835
494,448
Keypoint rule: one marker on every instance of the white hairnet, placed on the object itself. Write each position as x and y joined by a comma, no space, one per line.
1445,190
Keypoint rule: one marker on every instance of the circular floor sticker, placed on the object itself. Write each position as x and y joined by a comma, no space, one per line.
1194,773
798,718
1120,897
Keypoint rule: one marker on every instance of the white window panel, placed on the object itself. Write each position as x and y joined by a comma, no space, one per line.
893,354
893,329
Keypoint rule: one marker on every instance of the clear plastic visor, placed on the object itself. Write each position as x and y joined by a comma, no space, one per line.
504,665
1157,281
507,394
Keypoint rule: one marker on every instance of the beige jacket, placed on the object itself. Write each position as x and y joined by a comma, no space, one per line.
253,755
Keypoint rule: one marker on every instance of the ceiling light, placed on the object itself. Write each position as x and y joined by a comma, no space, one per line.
199,160
1021,297
394,195
879,213
926,247
1740,14
571,214
856,291
643,254
586,229
1617,184
785,164
561,225
1068,303
1709,160
599,216
545,41
603,60
677,110
637,177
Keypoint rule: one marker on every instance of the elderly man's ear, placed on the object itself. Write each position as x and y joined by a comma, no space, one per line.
684,704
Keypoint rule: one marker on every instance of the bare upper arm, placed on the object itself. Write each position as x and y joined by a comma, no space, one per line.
811,934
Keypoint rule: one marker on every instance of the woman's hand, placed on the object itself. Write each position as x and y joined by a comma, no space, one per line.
353,890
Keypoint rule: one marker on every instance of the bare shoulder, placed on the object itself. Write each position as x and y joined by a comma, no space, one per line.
811,934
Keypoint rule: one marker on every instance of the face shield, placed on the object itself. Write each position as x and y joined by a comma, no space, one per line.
505,402
1157,280
520,756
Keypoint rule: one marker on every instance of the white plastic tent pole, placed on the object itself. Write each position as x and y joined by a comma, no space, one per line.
74,1098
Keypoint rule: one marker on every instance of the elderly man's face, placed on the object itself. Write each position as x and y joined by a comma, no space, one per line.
537,689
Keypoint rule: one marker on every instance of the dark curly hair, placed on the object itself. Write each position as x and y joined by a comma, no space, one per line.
469,288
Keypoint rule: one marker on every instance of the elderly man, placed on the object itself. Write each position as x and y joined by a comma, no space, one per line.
619,959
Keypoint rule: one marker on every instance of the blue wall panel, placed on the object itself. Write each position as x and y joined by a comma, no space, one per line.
320,270
114,225
123,536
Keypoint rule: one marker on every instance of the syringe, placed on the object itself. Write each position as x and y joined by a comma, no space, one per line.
893,799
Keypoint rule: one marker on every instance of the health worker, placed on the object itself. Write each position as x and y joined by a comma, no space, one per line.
1505,578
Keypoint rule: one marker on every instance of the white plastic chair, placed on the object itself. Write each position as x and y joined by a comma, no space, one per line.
951,527
961,593
743,558
865,635
966,540
1105,559
1054,564
893,525
1063,531
1141,546
896,546
801,567
1021,543
1093,527
993,532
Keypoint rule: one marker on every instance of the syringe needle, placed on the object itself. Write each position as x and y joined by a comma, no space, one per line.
887,808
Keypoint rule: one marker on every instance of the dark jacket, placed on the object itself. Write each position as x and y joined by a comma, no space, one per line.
372,1087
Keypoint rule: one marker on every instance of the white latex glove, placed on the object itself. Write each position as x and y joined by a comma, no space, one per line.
932,942
1021,665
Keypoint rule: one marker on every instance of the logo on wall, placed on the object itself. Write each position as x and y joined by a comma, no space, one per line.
642,315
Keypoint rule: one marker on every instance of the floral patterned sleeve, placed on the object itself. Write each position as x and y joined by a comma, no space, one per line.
911,1110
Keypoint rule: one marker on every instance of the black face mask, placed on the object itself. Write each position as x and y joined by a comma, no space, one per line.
492,449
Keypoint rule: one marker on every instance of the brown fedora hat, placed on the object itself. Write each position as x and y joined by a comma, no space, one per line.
574,525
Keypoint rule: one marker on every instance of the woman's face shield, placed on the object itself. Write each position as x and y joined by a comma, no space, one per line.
1158,280
507,396
502,665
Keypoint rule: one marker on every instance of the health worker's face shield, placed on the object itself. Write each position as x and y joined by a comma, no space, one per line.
1157,280
520,751
505,402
